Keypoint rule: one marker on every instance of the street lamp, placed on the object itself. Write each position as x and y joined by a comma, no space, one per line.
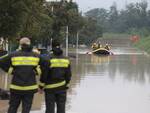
67,40
77,43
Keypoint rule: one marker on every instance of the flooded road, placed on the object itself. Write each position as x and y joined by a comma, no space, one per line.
111,84
107,84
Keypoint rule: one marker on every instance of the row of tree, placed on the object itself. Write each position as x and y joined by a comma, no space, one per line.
38,19
42,20
134,19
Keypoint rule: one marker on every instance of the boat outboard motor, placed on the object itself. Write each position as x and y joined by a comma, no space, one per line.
4,94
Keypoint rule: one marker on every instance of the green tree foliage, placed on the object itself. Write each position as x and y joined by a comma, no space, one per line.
90,32
37,24
42,20
21,17
101,15
11,17
134,19
64,14
113,17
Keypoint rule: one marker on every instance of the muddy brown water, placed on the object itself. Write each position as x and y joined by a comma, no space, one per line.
106,84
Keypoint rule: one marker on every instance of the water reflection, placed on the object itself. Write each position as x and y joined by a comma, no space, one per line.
110,84
100,59
106,84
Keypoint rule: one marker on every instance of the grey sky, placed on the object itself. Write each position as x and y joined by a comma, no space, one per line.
85,5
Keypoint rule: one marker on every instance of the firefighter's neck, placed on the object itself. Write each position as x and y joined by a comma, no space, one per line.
27,48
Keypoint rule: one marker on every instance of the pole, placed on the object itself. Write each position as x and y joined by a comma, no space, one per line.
66,40
77,43
51,43
77,46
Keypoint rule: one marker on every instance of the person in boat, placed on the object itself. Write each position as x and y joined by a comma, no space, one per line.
107,47
99,45
94,46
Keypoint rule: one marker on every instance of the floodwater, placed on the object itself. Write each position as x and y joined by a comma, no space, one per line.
107,84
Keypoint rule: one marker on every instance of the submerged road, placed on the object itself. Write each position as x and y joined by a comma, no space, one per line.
106,84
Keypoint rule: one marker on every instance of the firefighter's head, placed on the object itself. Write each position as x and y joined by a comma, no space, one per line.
24,41
25,44
56,48
55,44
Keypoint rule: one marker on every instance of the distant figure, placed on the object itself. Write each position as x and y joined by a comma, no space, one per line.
135,38
99,45
44,53
95,46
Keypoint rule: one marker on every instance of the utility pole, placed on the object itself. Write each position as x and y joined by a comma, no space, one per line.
77,43
77,47
67,40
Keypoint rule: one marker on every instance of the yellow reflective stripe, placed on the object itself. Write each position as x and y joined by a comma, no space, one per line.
25,61
25,58
23,88
4,56
55,85
59,65
59,62
42,84
38,69
10,70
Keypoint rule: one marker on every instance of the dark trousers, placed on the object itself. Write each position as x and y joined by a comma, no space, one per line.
58,99
16,99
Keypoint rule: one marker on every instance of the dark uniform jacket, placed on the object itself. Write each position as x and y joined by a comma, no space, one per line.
58,73
23,65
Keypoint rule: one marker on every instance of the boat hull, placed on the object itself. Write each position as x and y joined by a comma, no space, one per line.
101,51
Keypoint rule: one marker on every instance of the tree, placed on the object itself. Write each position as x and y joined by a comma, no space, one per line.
11,18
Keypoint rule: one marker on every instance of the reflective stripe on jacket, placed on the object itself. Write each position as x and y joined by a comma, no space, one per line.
59,74
64,63
24,61
24,67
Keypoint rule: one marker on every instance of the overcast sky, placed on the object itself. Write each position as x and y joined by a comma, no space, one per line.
85,5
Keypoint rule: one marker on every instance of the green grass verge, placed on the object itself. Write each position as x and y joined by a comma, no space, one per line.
144,44
115,35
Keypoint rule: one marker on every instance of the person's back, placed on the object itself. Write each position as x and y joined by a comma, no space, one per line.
59,70
56,81
24,64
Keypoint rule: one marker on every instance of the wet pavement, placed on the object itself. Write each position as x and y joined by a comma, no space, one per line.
106,84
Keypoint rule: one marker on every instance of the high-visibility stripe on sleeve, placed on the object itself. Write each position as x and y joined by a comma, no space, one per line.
4,56
25,61
10,70
38,69
55,85
59,63
42,84
23,88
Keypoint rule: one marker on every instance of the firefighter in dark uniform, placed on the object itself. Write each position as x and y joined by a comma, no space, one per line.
56,81
24,66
